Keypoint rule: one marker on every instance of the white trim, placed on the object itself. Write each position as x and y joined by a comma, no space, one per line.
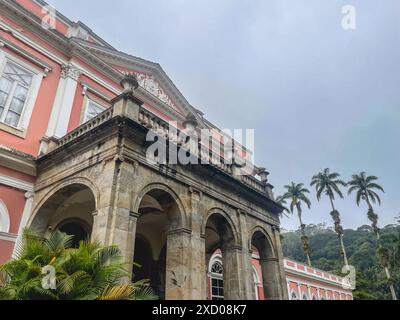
319,287
31,43
24,220
4,218
33,89
16,183
96,78
8,236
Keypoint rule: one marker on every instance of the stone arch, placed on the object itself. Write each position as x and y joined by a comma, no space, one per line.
181,220
266,235
220,233
270,268
160,219
71,202
228,219
75,180
4,218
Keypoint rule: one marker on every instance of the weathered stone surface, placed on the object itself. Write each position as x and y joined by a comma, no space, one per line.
109,163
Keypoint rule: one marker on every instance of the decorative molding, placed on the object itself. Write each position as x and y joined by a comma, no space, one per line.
17,161
16,183
44,66
8,236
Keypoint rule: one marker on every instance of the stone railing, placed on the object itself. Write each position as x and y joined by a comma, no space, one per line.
162,128
86,127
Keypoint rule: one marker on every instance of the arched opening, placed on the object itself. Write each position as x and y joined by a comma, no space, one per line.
69,210
77,228
4,218
222,273
269,264
158,215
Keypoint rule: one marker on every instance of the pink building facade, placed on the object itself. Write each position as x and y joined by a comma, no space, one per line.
53,81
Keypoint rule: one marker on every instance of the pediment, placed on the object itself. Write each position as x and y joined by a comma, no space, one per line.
151,77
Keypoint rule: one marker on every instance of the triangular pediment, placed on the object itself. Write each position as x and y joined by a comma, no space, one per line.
151,78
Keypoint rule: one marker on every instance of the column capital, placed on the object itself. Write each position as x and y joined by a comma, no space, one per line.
29,195
69,71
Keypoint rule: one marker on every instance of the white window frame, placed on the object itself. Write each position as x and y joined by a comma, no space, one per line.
33,90
216,258
4,218
88,101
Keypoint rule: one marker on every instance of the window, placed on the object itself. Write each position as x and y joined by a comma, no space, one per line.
293,296
4,218
256,281
216,272
15,83
92,110
305,297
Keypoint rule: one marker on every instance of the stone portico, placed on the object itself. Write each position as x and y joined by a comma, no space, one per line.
169,218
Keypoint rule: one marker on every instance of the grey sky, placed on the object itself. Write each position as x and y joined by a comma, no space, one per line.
317,95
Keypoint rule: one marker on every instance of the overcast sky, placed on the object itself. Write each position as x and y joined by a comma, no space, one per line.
317,95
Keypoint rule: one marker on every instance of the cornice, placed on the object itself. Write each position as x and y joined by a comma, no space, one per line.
17,161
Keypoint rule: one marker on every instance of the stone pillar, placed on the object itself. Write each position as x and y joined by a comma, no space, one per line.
270,272
113,221
234,274
197,263
177,280
283,294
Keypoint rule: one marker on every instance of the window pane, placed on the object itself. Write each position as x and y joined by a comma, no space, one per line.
18,74
17,105
20,93
93,110
12,118
3,99
5,85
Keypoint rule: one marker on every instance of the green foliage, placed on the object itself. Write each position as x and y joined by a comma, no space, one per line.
361,248
89,272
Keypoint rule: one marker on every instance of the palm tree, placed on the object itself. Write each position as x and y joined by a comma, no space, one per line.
329,184
365,187
282,202
89,272
296,193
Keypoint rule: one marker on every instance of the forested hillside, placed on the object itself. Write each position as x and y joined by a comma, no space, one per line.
361,250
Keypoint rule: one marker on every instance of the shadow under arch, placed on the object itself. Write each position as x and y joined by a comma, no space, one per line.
263,249
221,236
160,215
69,201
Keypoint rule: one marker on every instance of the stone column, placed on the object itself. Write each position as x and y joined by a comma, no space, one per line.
283,294
177,282
271,283
246,258
234,273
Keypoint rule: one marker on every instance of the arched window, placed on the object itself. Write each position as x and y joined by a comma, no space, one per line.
216,272
4,218
294,296
257,283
